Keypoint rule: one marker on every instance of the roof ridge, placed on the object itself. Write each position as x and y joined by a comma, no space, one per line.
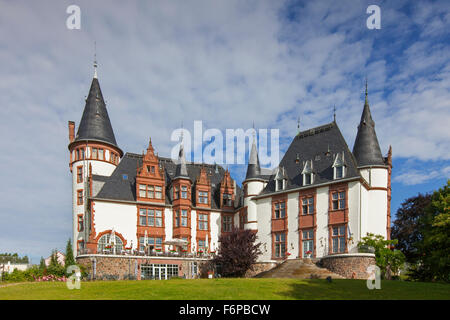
313,130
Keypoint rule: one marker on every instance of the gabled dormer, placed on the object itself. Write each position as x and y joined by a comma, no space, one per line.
339,167
227,191
280,179
307,172
203,189
181,183
150,179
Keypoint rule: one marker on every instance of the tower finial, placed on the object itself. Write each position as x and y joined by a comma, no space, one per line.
95,59
366,101
298,125
334,113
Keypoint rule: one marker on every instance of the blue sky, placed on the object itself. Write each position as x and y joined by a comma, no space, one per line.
228,63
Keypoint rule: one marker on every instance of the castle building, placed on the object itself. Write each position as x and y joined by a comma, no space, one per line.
320,200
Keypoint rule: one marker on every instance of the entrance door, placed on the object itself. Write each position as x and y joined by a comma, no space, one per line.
163,273
156,273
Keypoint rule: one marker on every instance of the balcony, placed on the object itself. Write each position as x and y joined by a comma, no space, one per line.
148,253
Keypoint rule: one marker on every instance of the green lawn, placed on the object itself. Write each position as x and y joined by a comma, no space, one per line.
210,289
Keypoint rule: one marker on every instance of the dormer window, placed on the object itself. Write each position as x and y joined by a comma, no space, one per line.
307,178
226,199
339,166
280,179
280,184
307,173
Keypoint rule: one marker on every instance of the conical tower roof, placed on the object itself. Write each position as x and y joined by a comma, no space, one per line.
95,124
253,169
181,169
367,149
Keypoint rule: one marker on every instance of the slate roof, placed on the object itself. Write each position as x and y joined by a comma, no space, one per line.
320,144
367,149
121,185
253,168
95,124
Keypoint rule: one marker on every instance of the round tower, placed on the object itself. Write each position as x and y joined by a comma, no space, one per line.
253,185
93,151
376,171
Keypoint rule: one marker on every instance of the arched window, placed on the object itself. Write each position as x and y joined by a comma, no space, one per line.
104,242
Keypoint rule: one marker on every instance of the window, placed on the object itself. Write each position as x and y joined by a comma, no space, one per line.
184,218
105,240
280,210
307,178
142,190
307,172
150,217
280,245
82,153
79,174
101,154
94,153
152,242
80,223
308,205
338,239
338,200
280,184
339,172
151,192
158,191
77,154
176,192
203,222
202,245
339,166
226,199
203,197
227,223
80,197
308,243
183,192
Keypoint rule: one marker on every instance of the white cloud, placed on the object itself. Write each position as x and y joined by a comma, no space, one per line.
414,177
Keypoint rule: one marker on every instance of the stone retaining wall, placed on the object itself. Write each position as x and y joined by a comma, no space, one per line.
349,265
129,267
260,267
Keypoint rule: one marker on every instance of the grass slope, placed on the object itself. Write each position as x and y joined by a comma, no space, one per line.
211,289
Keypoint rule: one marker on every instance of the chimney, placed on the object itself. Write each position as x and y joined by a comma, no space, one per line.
71,131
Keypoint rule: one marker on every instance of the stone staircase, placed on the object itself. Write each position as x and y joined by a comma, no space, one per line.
299,268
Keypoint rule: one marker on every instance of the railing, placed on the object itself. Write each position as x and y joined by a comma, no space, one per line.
148,253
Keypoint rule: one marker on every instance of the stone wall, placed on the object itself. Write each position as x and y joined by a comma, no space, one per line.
259,267
349,265
129,267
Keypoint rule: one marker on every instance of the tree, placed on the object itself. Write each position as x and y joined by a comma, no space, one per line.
237,253
386,257
42,265
406,226
434,248
70,260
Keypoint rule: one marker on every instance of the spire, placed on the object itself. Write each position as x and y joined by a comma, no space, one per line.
95,60
334,113
181,169
367,149
95,124
253,169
